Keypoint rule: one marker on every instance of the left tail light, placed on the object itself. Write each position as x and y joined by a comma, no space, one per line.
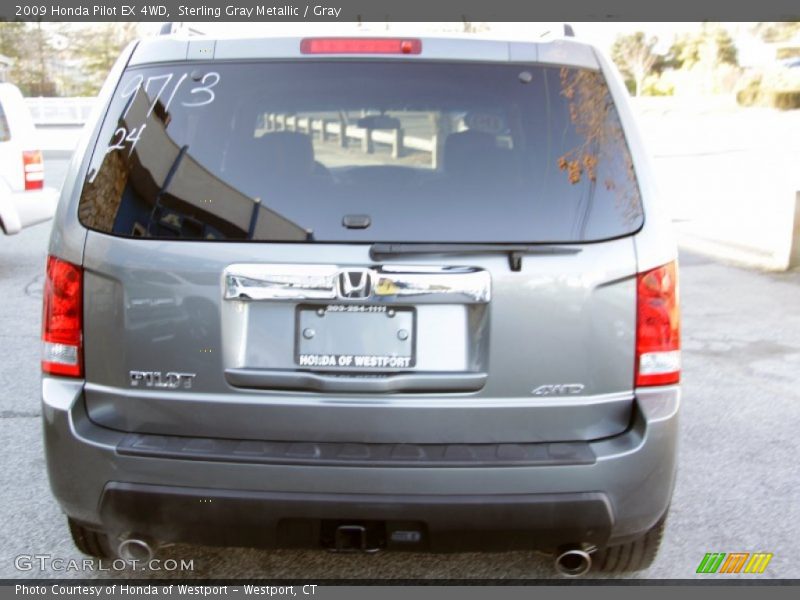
33,167
62,319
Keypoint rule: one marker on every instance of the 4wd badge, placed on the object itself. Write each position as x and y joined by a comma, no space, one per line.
558,389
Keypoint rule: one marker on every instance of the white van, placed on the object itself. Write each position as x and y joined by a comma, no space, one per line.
24,201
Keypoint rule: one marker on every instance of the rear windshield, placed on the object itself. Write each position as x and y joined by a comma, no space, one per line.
362,151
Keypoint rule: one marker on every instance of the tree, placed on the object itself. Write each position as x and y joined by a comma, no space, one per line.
98,47
51,59
471,27
634,56
712,46
777,32
28,45
11,36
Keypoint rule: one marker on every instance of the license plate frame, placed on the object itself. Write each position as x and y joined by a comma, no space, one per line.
374,343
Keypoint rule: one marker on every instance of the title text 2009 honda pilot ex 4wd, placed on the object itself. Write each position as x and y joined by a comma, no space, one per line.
363,294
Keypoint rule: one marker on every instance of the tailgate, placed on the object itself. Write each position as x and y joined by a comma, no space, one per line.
280,347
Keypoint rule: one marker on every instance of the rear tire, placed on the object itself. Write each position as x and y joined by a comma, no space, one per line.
631,556
90,542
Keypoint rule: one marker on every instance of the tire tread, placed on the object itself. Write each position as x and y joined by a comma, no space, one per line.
90,542
631,556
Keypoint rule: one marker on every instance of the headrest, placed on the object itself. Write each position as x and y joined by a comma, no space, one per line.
466,149
286,153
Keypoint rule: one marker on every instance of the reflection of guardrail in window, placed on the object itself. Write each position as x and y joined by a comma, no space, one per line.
331,130
60,111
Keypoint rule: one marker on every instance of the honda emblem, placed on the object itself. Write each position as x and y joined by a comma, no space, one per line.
355,283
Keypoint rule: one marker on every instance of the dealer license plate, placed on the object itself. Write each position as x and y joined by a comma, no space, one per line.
355,337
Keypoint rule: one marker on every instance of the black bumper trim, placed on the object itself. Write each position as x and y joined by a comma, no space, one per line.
356,454
299,520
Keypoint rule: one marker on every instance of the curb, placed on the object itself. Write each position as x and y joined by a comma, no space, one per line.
731,252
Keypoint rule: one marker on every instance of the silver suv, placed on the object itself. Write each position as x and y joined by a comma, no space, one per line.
363,294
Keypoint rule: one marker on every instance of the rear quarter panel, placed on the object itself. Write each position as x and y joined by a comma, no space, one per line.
655,242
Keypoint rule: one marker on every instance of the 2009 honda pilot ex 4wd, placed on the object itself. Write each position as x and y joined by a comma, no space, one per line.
361,294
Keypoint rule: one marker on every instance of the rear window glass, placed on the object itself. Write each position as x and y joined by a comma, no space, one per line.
5,132
362,151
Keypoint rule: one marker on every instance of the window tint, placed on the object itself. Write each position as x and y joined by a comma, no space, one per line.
430,152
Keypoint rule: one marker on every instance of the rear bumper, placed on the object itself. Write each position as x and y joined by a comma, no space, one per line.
303,520
600,492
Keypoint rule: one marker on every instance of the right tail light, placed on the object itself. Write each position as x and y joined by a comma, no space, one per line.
33,167
658,337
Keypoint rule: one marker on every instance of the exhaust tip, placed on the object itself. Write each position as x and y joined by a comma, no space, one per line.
135,549
573,562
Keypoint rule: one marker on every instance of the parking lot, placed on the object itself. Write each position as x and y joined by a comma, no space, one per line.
738,478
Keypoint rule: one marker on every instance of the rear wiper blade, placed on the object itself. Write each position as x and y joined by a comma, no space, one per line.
515,252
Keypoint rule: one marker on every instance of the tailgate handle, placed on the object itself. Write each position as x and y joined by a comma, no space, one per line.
387,283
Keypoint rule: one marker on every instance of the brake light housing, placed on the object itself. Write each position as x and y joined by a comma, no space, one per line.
62,319
658,356
360,46
33,168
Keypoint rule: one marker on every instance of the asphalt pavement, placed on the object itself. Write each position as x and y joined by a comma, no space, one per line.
738,482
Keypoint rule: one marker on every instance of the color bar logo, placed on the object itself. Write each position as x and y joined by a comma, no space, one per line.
735,562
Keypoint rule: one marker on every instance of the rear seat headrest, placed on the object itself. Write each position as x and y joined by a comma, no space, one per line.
465,150
474,156
286,153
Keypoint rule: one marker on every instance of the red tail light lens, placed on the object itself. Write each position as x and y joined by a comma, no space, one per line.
658,356
62,319
360,46
33,167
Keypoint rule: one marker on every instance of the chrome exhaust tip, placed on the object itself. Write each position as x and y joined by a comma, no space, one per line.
136,549
573,562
